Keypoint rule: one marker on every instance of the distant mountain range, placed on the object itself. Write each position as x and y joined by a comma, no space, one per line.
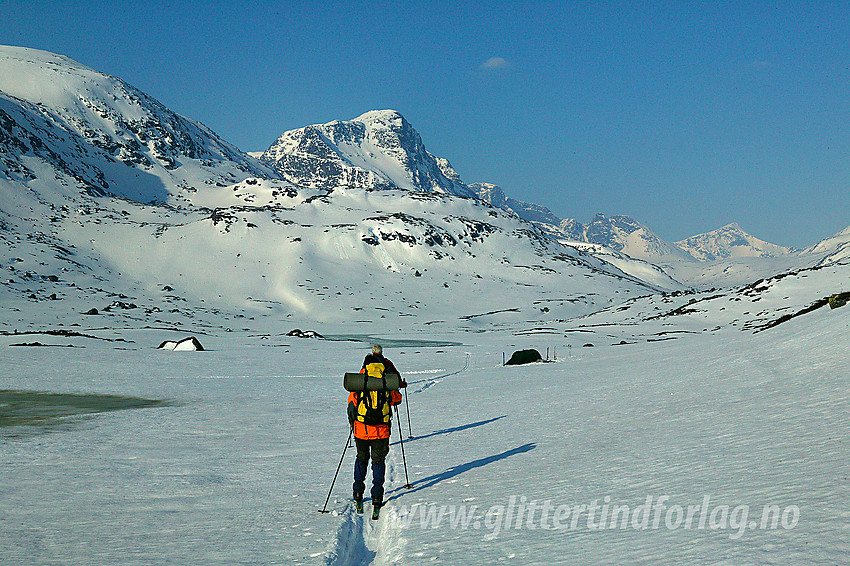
619,233
627,235
101,183
381,150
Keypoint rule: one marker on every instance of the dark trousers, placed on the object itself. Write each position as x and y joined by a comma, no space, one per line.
379,449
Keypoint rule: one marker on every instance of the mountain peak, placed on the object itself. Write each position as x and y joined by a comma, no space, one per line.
380,116
730,241
376,150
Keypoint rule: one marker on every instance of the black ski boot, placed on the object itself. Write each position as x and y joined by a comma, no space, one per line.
358,502
376,508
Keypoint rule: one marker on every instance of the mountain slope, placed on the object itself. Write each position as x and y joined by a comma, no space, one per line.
343,260
102,134
535,213
833,249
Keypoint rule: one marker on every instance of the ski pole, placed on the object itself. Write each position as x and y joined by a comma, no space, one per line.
403,459
325,508
409,428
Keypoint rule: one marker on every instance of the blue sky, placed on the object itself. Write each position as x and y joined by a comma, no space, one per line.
684,115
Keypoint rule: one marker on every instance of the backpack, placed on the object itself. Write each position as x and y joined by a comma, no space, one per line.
373,407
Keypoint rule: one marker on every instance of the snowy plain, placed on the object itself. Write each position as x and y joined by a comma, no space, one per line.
235,468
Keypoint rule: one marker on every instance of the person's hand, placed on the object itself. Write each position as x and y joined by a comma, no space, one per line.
403,384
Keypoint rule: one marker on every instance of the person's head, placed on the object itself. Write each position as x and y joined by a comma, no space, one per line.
377,350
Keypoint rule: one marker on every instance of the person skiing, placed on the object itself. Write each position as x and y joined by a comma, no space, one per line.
369,414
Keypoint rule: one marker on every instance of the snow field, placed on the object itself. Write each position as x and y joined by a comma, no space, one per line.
236,468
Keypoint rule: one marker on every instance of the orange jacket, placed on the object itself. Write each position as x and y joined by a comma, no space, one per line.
372,432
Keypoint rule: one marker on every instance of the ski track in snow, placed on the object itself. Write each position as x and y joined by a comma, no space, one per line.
431,382
361,541
350,545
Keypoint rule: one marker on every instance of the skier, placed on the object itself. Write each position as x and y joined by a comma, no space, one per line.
369,414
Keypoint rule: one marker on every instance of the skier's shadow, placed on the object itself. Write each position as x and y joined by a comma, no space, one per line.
451,430
457,470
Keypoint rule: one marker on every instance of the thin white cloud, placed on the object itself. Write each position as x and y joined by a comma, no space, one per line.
760,64
495,64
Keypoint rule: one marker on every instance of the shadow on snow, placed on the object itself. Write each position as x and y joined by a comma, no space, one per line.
459,469
450,430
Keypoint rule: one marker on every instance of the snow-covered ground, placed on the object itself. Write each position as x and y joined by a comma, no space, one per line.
234,469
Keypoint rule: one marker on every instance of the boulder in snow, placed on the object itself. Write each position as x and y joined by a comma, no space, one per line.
190,344
838,300
298,333
524,357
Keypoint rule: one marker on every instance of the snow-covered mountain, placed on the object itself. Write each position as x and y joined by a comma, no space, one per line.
97,131
730,241
381,150
378,150
833,249
313,241
623,234
730,257
201,225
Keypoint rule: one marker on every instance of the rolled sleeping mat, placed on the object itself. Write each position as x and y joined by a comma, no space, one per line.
355,382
